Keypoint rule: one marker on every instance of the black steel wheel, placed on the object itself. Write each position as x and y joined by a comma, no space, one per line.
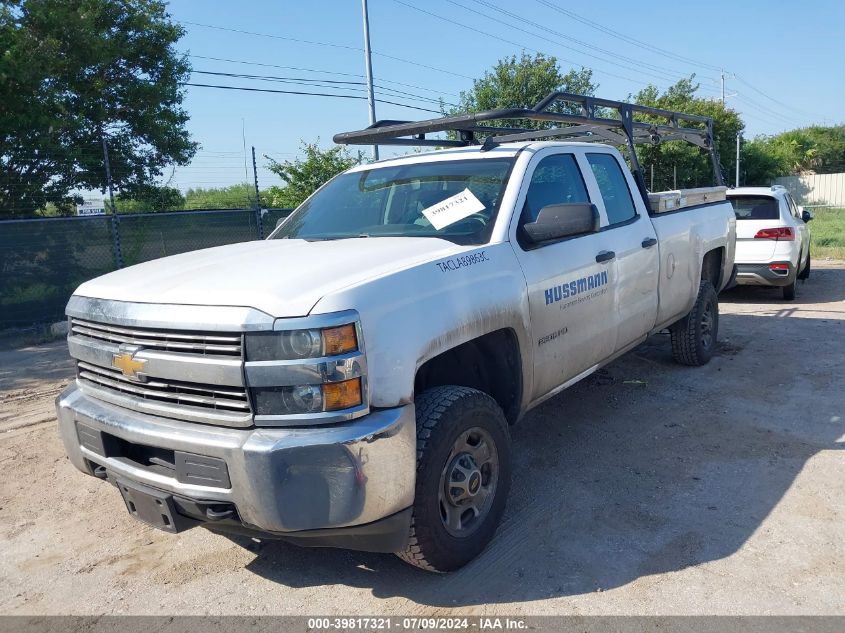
463,477
695,336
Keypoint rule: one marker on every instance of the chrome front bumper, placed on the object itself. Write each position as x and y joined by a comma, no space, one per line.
282,480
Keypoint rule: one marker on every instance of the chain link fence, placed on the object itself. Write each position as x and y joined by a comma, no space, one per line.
42,261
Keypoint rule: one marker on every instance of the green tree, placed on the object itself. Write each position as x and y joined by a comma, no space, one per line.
73,72
150,198
815,149
241,196
760,164
303,176
679,162
520,82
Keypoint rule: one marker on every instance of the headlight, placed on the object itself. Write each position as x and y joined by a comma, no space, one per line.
307,375
297,344
332,396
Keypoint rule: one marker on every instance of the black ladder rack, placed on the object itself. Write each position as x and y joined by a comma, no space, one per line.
591,124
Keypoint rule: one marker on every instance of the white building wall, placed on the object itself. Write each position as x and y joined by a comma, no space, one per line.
818,189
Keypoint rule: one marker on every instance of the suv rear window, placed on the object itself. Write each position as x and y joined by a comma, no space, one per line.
755,207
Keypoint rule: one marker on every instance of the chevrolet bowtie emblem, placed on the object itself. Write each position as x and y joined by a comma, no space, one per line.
128,365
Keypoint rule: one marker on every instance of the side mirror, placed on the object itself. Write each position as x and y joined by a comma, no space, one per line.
556,221
807,215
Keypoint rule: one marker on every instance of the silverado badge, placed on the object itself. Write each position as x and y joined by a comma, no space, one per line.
128,365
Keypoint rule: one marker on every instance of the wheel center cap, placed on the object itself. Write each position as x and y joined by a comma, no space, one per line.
474,482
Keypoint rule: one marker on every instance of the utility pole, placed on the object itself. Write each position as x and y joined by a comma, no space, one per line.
737,160
108,174
115,223
258,219
255,179
723,86
368,62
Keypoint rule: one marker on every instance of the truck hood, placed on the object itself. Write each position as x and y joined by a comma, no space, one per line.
284,278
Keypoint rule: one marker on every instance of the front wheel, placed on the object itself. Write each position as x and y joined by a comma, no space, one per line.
463,477
694,336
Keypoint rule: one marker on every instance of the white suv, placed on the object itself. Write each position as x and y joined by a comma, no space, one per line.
772,238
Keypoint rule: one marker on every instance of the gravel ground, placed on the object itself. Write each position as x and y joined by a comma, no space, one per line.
648,488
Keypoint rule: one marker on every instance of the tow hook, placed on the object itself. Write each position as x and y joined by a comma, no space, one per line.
219,513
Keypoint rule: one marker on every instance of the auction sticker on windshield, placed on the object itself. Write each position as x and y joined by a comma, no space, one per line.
450,210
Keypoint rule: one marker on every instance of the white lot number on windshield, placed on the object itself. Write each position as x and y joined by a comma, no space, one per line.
452,209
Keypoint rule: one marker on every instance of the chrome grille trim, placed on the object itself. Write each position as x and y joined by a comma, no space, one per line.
169,391
202,343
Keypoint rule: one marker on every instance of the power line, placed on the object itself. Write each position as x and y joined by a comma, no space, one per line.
330,44
770,116
310,94
336,85
656,49
772,112
487,34
303,80
240,61
781,103
328,72
542,27
626,38
464,26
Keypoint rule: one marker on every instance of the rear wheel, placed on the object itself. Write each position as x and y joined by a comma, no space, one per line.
694,336
789,292
805,272
463,477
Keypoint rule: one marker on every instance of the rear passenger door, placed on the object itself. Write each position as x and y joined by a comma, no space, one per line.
802,232
634,242
569,292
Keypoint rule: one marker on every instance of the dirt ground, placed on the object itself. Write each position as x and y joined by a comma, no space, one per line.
648,488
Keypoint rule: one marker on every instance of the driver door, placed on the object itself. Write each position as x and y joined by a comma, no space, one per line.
570,281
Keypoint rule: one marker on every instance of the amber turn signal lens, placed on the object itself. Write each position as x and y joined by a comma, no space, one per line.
341,395
339,340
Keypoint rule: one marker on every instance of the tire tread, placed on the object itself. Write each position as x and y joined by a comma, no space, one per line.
431,406
684,335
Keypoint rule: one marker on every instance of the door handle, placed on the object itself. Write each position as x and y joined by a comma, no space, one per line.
649,242
605,256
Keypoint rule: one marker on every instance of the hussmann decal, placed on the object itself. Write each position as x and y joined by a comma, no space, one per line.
575,287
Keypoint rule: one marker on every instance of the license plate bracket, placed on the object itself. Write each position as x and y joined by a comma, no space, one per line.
151,506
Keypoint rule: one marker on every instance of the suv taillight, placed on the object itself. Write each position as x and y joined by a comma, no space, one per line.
784,233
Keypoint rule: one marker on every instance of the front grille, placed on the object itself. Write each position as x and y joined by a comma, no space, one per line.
205,343
231,399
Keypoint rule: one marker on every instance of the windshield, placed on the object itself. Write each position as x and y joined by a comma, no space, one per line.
755,207
454,200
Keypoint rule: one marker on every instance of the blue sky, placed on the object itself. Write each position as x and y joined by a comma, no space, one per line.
783,62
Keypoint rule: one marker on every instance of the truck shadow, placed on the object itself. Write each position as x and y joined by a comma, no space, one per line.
644,468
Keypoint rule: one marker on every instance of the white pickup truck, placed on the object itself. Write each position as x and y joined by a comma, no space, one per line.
352,380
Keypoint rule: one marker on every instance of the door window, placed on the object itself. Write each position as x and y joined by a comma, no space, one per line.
618,203
556,180
793,208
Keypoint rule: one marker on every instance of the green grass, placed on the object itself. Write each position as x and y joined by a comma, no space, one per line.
827,233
